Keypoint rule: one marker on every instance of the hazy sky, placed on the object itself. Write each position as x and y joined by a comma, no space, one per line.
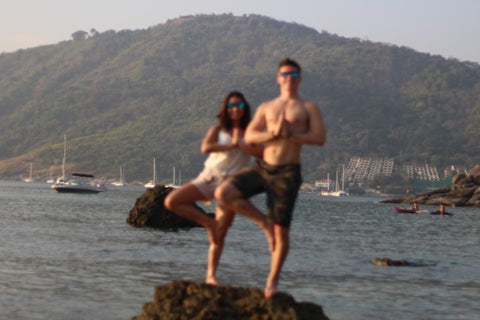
450,28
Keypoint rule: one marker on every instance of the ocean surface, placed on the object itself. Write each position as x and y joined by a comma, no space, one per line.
73,256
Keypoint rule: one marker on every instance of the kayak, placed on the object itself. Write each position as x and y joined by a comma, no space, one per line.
437,212
404,210
412,211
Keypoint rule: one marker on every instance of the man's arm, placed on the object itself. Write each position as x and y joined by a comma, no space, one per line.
316,133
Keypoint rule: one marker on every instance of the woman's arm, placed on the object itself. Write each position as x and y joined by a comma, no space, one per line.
210,142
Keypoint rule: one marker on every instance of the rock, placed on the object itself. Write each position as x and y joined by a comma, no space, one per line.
149,211
185,300
459,179
464,191
473,176
389,262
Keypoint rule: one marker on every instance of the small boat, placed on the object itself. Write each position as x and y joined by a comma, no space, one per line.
173,184
120,182
439,213
412,211
152,183
50,180
30,178
78,185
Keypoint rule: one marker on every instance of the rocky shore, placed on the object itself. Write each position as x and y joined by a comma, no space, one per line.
185,300
465,191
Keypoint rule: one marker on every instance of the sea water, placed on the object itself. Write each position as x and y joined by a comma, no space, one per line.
73,256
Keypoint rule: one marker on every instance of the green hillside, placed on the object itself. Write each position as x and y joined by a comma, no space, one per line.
123,96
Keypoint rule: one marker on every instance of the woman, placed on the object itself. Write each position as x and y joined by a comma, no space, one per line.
228,153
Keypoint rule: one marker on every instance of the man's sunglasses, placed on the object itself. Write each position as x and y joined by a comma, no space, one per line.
294,74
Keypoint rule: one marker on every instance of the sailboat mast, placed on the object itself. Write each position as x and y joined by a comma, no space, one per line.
154,171
336,181
64,155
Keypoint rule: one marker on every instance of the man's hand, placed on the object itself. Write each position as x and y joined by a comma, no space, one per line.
280,129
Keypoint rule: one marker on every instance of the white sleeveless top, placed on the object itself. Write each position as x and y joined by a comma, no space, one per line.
228,162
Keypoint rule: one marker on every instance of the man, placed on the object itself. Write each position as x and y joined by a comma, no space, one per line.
283,125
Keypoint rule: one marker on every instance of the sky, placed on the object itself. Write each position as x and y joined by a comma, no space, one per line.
450,28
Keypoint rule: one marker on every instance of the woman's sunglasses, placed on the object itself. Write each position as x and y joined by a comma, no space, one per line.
240,105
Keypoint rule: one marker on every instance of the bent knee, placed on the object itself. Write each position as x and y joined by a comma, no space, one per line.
220,192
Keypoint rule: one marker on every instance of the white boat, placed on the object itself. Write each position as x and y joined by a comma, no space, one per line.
337,192
50,180
63,178
174,184
30,178
120,182
78,185
152,183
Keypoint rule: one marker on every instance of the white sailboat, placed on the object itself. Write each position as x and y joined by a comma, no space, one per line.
79,185
121,182
152,183
338,192
30,178
174,184
63,178
51,180
76,185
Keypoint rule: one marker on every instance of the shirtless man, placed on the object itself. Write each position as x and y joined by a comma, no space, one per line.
283,125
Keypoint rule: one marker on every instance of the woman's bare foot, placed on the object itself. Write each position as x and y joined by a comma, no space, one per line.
211,280
270,290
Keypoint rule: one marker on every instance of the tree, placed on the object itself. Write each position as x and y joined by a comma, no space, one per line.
79,35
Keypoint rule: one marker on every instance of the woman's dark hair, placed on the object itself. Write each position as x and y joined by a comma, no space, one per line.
223,117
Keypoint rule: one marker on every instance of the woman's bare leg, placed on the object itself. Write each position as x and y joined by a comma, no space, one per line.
181,202
223,220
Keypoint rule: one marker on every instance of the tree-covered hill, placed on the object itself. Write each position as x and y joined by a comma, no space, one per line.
122,97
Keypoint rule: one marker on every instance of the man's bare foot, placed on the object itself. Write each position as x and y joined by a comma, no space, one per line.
270,290
270,236
211,280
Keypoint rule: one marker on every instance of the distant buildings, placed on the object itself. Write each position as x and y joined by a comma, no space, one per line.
361,170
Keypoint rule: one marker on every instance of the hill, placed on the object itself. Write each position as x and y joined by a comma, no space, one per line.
124,96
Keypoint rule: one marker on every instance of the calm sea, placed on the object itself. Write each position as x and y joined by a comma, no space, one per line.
73,256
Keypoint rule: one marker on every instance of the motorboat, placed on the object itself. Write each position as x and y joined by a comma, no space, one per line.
78,185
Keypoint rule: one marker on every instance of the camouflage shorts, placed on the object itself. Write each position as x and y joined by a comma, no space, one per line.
280,183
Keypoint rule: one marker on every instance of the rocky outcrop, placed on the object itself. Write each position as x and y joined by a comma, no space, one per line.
149,211
184,300
389,262
465,191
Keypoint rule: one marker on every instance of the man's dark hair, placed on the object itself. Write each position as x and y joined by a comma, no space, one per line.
289,62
